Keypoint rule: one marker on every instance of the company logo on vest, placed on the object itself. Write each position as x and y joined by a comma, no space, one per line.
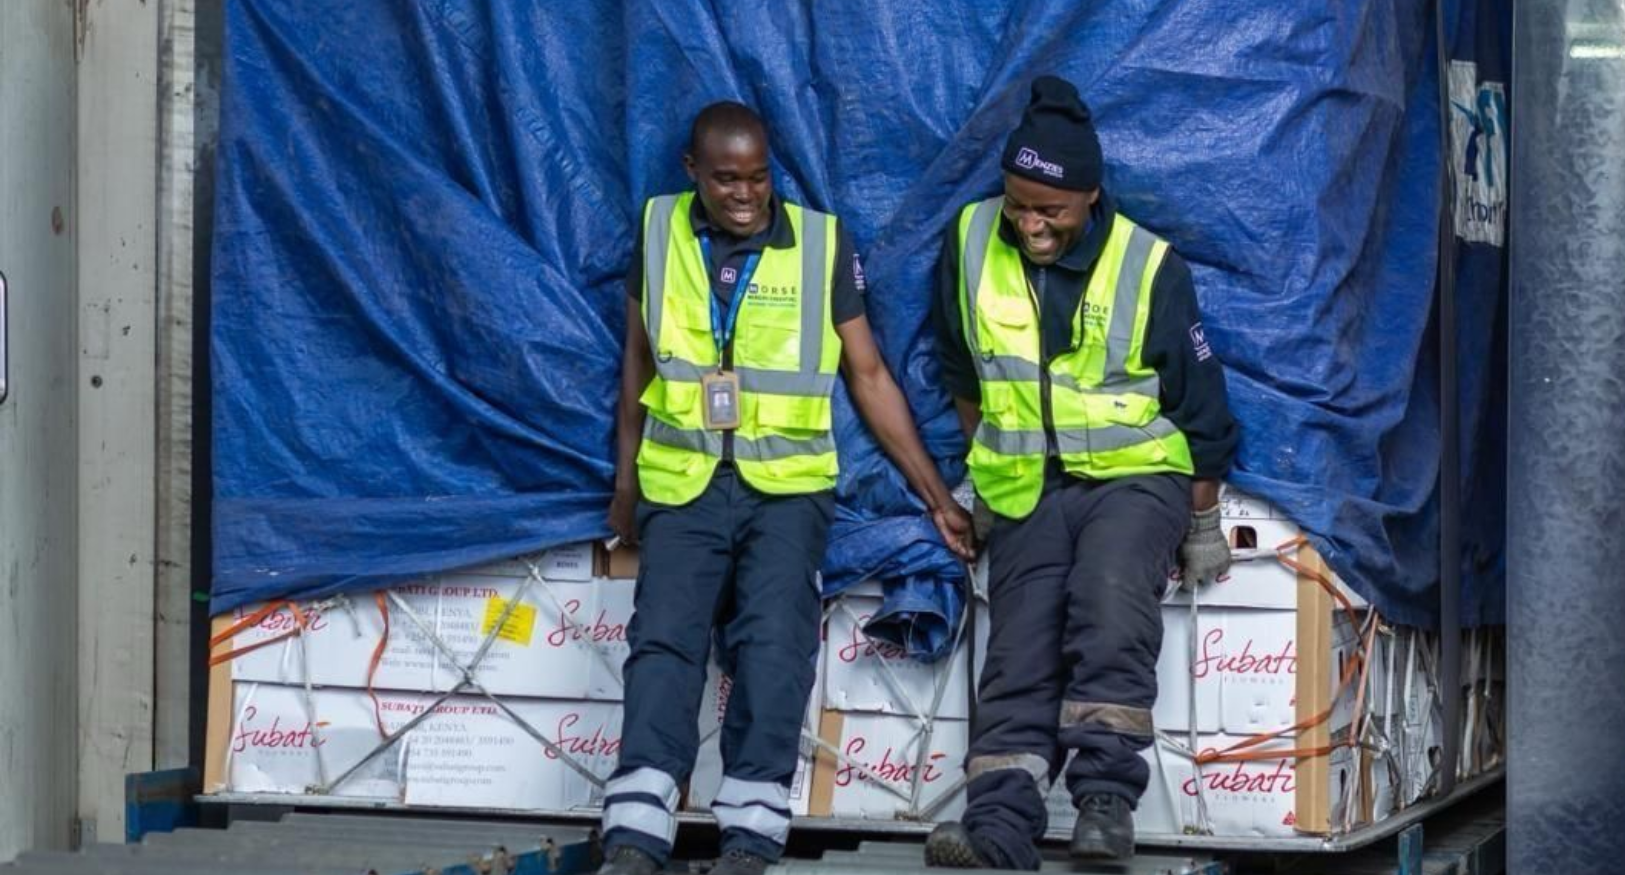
1478,141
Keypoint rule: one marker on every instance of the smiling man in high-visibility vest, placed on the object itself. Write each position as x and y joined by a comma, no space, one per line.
742,311
1099,429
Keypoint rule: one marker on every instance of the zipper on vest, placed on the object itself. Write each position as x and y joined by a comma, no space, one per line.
1051,444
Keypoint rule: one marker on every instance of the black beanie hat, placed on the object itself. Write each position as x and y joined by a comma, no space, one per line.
1055,143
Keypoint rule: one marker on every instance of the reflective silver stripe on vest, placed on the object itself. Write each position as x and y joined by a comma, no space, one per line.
757,380
1030,442
771,448
1010,442
1007,368
1120,384
972,258
1112,437
698,440
656,240
768,448
1126,305
814,290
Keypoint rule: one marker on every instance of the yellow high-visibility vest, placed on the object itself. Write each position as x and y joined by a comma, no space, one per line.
785,351
1103,401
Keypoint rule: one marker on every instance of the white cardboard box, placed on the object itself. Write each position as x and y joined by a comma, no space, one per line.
1244,668
873,676
1243,799
888,748
1254,528
564,640
706,779
470,754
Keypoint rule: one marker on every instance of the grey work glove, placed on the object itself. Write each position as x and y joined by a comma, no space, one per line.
1205,554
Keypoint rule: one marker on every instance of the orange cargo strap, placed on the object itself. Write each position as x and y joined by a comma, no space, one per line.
1246,749
301,620
378,657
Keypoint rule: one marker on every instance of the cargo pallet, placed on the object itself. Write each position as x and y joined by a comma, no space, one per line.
1464,834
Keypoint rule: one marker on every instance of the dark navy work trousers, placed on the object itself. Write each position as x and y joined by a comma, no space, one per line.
742,566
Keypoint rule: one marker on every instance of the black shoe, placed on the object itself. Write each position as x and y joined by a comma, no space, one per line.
627,860
949,847
1105,828
737,862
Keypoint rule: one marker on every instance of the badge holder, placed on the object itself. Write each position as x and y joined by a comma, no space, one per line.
721,412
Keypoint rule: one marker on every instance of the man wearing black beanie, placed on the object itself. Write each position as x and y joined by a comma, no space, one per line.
1100,429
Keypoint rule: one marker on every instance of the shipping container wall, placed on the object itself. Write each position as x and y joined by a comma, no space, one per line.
117,51
38,432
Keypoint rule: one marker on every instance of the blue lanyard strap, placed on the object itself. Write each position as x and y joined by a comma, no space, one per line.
723,331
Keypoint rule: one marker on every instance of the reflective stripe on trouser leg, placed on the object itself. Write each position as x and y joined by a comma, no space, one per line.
1122,719
761,807
642,800
1031,763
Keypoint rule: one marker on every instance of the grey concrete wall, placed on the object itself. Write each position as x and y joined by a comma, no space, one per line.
117,183
39,226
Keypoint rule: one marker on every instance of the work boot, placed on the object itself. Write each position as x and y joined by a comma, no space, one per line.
627,860
1105,828
737,862
949,847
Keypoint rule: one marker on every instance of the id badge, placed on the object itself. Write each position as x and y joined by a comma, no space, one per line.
721,400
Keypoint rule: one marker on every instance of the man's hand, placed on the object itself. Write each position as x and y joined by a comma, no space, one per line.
957,530
1205,554
623,510
982,516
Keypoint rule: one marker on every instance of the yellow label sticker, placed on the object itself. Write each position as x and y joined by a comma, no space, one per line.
518,626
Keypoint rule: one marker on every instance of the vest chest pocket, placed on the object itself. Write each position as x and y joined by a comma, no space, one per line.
794,415
678,403
1136,411
1007,326
770,346
686,335
769,333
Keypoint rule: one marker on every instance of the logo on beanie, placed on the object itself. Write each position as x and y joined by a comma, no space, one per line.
1028,159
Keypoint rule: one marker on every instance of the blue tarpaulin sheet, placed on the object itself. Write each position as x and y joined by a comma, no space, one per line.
425,209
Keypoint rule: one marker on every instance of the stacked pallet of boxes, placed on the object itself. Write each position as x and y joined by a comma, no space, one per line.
894,730
528,728
1286,706
1259,686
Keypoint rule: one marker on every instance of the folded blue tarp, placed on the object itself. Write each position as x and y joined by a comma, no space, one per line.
425,210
